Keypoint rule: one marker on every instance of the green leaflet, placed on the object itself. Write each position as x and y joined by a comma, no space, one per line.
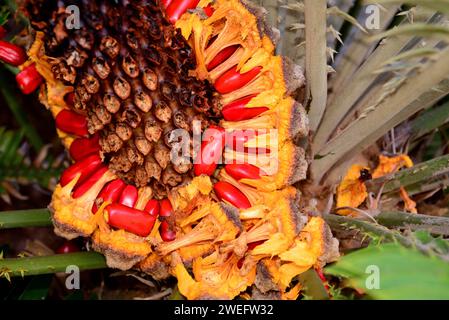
403,273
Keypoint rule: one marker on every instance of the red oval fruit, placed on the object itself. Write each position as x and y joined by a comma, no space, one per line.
178,7
243,171
83,147
167,234
129,196
209,10
166,208
72,123
166,3
232,80
84,167
129,219
221,57
88,183
227,192
153,207
211,151
110,192
12,54
69,98
29,79
237,110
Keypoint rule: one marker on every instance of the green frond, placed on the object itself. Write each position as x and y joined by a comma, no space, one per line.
437,5
416,29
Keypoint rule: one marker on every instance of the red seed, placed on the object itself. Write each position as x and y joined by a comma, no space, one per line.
209,10
129,196
82,188
166,3
178,7
237,110
153,207
167,234
86,167
221,57
252,245
211,151
129,219
69,98
29,79
68,247
233,80
166,209
226,191
243,171
72,123
12,54
83,147
110,192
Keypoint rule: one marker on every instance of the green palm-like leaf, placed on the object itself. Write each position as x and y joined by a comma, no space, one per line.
403,273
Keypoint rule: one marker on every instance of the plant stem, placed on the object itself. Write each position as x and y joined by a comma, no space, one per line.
25,218
417,174
52,264
382,232
395,219
374,231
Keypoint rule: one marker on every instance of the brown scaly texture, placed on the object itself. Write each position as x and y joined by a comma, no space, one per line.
131,79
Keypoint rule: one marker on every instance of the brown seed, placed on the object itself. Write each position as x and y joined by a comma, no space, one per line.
122,88
94,124
76,58
111,143
143,101
143,145
131,39
168,90
149,79
153,130
152,168
130,66
131,116
162,156
163,112
123,131
78,104
120,162
111,102
85,39
103,115
91,83
141,177
182,166
133,154
82,94
180,120
64,72
110,46
171,178
101,67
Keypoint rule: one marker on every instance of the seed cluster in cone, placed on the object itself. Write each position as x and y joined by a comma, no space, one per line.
118,87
